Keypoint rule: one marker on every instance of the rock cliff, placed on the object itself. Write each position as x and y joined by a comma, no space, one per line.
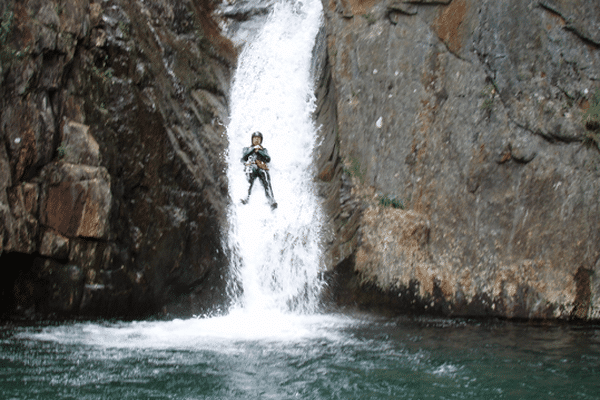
112,182
458,161
460,158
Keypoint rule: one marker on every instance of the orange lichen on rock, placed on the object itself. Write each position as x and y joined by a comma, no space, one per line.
360,7
449,24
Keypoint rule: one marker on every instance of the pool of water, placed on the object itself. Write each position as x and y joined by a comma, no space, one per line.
300,357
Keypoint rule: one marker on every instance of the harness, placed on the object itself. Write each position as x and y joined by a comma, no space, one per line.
252,160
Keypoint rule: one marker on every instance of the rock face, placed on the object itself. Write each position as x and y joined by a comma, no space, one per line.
458,161
112,185
459,172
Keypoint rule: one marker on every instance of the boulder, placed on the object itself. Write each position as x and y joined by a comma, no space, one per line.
77,200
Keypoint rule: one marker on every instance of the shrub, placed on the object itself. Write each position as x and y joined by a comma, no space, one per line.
355,170
61,151
387,201
371,19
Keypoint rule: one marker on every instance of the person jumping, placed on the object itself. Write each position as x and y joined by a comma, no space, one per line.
255,159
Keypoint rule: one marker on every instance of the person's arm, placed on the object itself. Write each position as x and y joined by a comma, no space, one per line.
264,155
246,153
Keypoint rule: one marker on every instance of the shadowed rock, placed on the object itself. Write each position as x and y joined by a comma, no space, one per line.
111,138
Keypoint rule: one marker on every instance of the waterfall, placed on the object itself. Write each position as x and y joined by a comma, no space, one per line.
276,254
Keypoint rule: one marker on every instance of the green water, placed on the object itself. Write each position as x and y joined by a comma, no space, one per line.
335,357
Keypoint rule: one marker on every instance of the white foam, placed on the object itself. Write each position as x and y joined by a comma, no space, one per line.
218,333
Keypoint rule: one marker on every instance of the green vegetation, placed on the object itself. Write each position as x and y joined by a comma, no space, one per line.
386,201
371,19
355,170
125,28
104,75
488,93
487,104
61,151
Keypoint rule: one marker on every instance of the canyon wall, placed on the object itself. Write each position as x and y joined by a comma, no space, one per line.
112,179
460,160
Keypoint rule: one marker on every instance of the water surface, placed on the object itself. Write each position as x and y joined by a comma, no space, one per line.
301,357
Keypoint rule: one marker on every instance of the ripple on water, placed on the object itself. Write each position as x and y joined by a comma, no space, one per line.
324,357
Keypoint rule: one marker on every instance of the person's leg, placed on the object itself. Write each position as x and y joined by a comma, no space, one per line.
251,176
265,179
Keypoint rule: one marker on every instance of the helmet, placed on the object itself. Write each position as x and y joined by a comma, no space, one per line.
257,134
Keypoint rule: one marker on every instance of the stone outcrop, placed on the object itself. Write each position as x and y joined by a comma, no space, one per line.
459,173
112,183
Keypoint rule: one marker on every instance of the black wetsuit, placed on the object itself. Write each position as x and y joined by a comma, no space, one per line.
253,171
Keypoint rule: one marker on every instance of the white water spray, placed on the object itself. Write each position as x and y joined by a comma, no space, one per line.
277,254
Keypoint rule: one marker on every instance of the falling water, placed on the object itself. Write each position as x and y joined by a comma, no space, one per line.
276,253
